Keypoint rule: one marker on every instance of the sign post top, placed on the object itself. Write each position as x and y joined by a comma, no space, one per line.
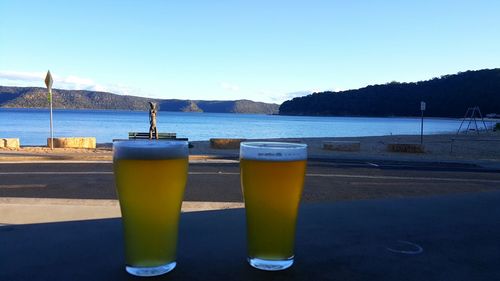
48,81
422,105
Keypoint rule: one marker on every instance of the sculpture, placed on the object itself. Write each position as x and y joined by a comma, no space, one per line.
152,120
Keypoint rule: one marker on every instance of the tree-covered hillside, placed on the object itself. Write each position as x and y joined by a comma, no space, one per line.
447,96
31,97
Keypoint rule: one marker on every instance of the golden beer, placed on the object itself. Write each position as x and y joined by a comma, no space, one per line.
272,181
150,183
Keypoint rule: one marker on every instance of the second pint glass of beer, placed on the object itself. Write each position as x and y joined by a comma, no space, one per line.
150,178
272,179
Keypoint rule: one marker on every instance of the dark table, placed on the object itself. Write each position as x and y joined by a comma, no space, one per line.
435,238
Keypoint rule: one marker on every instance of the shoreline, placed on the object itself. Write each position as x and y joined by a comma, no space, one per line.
272,114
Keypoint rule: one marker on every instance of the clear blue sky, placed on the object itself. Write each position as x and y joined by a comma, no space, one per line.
260,50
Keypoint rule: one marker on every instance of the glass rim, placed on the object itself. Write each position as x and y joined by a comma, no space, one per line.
273,145
148,140
152,142
273,151
145,149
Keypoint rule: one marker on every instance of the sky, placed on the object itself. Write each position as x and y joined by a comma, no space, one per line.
261,50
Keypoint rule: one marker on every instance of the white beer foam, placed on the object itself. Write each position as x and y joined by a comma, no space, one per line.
150,149
273,151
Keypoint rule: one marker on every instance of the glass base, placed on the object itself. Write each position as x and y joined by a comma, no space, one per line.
270,265
151,271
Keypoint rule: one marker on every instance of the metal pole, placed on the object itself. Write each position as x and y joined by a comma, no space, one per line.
51,128
470,119
463,120
482,119
422,129
475,121
48,83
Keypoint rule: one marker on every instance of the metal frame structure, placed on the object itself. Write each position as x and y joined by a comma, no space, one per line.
470,115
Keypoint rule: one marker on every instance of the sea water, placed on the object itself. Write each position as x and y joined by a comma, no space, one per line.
31,126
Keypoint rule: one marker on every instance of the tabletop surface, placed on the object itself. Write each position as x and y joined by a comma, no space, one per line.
436,238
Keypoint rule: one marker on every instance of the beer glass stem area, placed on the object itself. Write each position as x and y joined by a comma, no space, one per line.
272,179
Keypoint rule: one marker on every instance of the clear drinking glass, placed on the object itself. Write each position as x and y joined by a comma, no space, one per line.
272,179
150,177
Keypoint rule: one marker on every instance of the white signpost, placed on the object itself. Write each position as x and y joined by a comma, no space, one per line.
422,108
48,83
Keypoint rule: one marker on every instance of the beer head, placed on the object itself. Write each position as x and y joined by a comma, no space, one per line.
273,151
150,149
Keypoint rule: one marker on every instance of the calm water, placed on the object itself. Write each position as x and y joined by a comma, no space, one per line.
32,125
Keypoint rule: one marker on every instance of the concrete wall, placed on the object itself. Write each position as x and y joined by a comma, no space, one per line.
406,147
225,143
12,143
342,145
75,142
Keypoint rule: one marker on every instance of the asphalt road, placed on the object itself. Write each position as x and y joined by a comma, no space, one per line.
326,180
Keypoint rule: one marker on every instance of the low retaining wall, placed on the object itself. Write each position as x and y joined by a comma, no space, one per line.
342,145
225,143
406,147
74,142
10,143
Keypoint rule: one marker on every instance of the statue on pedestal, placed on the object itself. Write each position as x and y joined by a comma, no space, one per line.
153,131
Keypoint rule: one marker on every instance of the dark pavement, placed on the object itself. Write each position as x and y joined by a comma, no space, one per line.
326,181
452,237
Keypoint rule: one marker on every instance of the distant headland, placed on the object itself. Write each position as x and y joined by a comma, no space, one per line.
34,97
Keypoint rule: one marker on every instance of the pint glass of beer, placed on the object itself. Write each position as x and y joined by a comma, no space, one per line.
272,179
150,177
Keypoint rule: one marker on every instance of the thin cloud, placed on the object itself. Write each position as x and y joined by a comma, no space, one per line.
229,87
21,76
289,96
76,81
35,79
298,94
63,82
282,97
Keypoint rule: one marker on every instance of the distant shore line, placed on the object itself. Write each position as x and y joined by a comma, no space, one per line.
488,119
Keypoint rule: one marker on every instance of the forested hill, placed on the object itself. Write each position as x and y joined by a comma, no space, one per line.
447,96
30,97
